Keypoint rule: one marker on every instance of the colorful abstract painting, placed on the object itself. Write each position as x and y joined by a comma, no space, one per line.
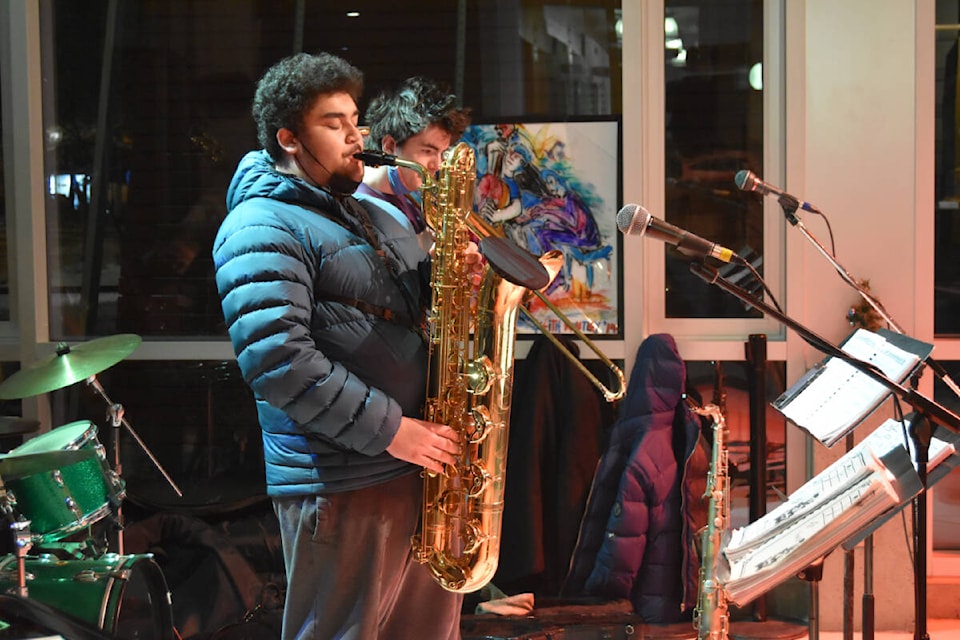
555,185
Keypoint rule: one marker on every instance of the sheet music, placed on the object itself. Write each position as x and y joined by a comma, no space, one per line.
839,395
839,478
831,508
867,491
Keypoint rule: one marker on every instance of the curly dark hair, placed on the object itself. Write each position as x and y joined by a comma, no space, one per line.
411,108
290,87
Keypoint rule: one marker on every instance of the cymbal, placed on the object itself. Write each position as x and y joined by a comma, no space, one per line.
69,365
28,464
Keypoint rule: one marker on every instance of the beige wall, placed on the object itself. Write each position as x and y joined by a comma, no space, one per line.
852,148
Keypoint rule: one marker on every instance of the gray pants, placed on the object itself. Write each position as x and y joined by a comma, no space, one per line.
350,571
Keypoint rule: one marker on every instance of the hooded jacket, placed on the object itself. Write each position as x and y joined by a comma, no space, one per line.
326,330
646,505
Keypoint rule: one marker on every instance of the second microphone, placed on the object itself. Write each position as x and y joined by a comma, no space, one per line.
633,219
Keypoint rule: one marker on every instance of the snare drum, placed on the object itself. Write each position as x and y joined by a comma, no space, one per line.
58,502
126,596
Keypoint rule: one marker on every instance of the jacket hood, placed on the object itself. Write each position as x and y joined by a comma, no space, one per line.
658,377
256,177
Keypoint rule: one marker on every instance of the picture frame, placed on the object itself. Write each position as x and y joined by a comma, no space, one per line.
557,185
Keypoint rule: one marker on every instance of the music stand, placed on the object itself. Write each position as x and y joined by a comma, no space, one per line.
929,411
789,205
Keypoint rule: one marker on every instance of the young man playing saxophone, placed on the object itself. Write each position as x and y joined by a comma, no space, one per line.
323,301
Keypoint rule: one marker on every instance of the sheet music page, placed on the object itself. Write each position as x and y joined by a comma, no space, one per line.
792,536
839,478
804,543
821,515
841,395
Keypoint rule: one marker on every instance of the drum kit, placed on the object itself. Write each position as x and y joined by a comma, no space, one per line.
60,483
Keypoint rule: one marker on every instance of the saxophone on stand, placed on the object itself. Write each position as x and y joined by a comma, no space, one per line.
710,617
471,356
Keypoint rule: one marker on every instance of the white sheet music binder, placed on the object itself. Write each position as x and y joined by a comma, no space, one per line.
833,397
839,506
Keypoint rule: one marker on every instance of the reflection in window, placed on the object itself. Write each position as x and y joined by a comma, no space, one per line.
946,492
730,385
133,206
4,255
13,427
714,128
947,234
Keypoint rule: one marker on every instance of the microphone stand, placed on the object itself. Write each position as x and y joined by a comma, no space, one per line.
928,410
789,204
935,412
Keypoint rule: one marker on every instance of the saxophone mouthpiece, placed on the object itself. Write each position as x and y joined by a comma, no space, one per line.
375,158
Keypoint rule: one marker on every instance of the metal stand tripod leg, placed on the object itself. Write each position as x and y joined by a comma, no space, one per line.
813,574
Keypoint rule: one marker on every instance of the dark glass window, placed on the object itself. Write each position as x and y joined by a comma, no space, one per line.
714,128
4,254
946,490
734,387
192,422
147,115
946,320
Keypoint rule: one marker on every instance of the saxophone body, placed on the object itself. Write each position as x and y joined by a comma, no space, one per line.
470,384
710,617
471,356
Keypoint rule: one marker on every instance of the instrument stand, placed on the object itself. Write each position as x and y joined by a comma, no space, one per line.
867,618
118,411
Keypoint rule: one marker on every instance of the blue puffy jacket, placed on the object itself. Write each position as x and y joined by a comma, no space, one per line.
646,503
331,375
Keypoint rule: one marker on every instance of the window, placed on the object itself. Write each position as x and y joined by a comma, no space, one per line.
148,115
714,129
946,277
4,254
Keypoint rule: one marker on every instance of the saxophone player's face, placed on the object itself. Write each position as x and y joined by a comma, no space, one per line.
425,148
322,152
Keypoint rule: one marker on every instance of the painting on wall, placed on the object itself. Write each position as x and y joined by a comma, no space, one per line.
556,185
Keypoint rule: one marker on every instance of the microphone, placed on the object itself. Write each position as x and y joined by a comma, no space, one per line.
635,220
748,181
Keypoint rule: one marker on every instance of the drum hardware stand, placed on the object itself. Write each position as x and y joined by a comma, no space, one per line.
21,532
120,420
115,413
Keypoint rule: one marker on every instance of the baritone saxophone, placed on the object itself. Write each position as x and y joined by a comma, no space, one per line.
710,617
471,357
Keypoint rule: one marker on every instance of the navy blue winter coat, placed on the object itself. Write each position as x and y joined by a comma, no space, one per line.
646,504
331,378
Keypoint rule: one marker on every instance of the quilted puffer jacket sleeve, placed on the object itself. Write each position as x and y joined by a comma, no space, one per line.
624,544
265,276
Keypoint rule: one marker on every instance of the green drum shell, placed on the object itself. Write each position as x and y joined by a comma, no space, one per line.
126,596
45,500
